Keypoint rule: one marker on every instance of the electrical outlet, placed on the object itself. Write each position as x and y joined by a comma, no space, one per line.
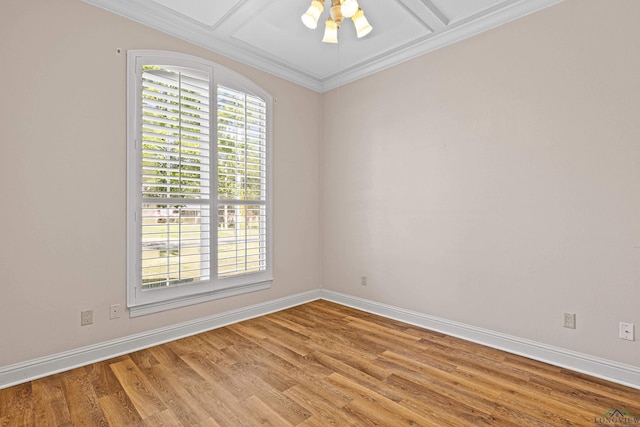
86,317
114,311
363,280
627,331
569,320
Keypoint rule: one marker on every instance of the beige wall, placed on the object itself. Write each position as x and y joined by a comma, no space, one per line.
62,178
496,182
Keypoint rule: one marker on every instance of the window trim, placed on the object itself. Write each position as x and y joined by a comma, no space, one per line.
158,300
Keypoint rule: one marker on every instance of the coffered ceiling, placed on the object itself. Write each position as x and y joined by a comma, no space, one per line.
269,35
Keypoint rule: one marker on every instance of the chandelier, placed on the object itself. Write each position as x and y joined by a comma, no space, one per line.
340,9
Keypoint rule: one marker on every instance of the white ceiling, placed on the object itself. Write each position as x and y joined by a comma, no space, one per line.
269,35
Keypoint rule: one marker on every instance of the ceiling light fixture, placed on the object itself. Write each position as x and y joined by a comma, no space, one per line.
340,9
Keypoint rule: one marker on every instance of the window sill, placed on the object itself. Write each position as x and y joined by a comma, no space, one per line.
157,307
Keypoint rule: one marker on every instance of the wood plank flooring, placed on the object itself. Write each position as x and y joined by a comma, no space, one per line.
318,364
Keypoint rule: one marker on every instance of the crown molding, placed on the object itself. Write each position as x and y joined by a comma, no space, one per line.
459,31
197,34
200,35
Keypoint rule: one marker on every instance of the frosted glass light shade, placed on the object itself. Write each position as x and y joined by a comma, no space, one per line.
330,31
311,16
349,8
362,25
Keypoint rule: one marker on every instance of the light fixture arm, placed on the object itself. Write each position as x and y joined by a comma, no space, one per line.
336,12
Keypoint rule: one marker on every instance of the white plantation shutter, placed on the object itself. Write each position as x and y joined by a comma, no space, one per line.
242,171
198,183
175,176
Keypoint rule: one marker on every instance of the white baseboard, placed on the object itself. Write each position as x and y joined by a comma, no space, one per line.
590,365
48,365
601,368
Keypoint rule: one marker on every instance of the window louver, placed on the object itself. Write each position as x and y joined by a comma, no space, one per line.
175,177
242,178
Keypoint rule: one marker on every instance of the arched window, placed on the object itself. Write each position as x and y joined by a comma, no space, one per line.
199,216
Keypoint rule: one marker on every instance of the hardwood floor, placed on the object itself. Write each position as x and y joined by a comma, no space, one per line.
318,364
